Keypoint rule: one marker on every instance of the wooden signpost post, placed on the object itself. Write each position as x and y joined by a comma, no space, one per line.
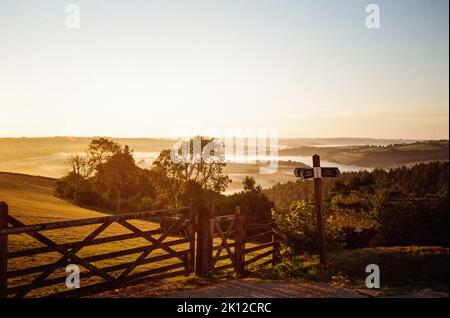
318,173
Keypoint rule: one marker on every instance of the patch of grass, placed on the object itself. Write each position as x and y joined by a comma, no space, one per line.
402,268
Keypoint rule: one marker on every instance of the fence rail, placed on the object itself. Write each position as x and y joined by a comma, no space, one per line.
110,277
211,243
230,251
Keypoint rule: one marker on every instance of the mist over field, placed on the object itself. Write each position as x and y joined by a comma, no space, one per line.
49,156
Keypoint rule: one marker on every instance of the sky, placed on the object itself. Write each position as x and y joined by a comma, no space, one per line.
148,68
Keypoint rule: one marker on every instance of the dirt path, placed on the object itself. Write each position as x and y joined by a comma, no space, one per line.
257,289
275,289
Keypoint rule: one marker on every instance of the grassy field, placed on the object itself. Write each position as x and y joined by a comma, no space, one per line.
31,201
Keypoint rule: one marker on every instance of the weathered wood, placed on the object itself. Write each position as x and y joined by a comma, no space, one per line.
240,240
97,241
319,215
103,287
252,237
222,245
3,249
69,251
258,247
155,271
269,261
276,246
66,253
223,267
89,221
258,225
100,257
108,269
204,242
156,244
258,257
225,217
221,258
225,244
191,232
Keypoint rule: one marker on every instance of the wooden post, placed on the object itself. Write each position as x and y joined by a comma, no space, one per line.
3,249
204,242
239,249
276,246
191,240
319,214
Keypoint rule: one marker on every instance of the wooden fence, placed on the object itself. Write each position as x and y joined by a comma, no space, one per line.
221,243
112,276
236,249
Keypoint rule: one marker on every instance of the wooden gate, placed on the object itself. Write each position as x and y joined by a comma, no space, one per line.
107,277
223,243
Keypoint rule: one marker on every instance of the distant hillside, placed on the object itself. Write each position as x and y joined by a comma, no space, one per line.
48,155
31,200
297,142
21,148
378,156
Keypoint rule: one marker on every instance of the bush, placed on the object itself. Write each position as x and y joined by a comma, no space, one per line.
411,267
399,266
296,227
85,197
409,220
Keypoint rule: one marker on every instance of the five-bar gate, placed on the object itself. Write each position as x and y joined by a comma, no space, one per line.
211,244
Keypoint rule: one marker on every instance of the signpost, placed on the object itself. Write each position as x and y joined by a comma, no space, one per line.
318,173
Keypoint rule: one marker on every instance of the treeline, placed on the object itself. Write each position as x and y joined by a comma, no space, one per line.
107,178
403,206
421,179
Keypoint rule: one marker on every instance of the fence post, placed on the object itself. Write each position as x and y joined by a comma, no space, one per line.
191,229
276,246
3,249
204,242
239,240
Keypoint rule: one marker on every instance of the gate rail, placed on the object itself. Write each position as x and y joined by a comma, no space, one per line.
233,241
68,253
221,243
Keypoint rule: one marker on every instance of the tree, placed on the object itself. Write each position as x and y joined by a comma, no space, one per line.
191,194
249,184
99,151
79,165
199,168
119,172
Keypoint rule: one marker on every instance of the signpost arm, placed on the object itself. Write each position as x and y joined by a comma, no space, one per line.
319,215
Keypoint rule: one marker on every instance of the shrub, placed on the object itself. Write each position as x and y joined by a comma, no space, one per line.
85,197
409,220
296,227
412,266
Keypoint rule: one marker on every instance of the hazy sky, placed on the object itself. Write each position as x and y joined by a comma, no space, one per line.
144,68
